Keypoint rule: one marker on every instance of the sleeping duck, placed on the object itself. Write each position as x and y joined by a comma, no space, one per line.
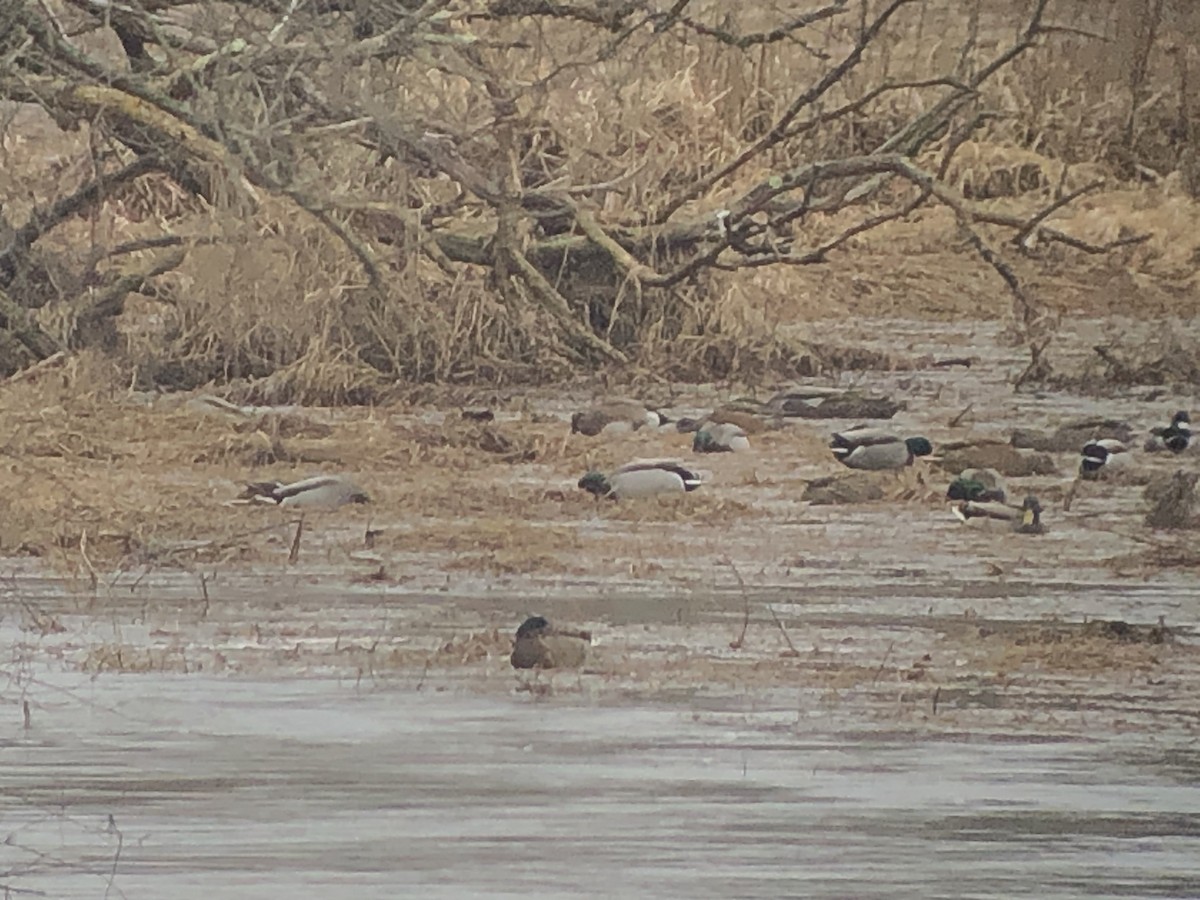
1174,437
1023,519
318,492
978,485
615,415
539,645
1099,458
874,448
720,437
642,478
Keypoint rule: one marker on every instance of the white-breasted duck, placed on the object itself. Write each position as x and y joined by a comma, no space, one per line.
720,437
862,447
642,478
318,492
1103,456
1174,437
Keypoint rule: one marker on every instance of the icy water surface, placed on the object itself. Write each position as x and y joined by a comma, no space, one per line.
185,787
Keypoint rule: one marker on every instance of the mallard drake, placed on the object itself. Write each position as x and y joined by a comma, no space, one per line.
978,485
1104,455
1174,437
720,437
642,478
318,492
539,645
873,448
1023,519
617,415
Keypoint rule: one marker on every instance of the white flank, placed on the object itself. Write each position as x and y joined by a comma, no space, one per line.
320,492
646,483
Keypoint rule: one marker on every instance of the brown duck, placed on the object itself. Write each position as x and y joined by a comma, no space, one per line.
539,645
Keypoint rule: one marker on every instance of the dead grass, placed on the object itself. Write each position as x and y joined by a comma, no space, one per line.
276,304
1097,647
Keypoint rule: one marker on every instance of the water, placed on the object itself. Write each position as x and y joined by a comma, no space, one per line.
193,787
783,700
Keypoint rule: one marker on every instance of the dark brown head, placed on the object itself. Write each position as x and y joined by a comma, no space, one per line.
589,423
534,626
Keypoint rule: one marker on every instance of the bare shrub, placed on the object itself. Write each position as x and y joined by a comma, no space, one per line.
343,193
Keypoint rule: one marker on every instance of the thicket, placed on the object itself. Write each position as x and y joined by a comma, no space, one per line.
324,196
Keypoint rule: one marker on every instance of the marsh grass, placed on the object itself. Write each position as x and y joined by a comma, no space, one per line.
274,302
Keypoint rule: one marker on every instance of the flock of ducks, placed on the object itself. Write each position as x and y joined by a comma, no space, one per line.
977,495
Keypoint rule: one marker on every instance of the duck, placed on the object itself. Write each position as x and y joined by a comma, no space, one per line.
1174,437
862,447
1023,519
744,419
540,645
720,437
318,492
617,415
642,478
977,485
1103,456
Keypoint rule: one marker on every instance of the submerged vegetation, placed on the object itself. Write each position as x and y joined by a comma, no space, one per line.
313,201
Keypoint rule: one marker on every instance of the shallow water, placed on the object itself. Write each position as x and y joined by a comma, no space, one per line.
893,734
188,787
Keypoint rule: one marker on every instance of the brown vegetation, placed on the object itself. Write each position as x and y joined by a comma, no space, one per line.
325,199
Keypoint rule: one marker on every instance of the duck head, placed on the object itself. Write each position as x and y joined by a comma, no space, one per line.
971,489
533,627
595,483
918,446
589,423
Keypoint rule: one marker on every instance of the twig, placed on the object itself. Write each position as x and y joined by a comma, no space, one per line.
83,542
778,132
883,662
740,640
112,875
792,651
957,420
204,593
53,361
1020,237
294,554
